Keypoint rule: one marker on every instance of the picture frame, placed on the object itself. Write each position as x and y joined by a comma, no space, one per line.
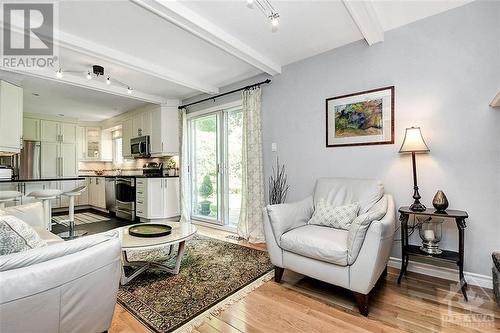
362,118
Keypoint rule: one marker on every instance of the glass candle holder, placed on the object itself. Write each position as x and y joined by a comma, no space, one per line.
431,233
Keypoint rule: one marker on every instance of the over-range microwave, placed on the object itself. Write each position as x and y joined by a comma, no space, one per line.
140,147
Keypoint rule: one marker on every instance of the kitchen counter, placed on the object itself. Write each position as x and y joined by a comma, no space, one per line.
40,180
134,176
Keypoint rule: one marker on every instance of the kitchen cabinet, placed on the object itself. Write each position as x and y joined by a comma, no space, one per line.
11,117
127,134
157,198
97,189
58,160
31,129
165,131
92,143
54,131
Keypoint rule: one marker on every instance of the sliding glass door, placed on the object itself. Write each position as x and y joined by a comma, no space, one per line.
215,145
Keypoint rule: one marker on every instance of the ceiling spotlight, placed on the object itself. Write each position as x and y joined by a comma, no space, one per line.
129,90
275,20
59,73
89,76
250,3
108,81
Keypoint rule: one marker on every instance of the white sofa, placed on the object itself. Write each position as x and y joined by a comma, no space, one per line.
63,287
353,259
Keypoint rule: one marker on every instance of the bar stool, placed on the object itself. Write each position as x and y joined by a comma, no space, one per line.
7,196
45,196
72,233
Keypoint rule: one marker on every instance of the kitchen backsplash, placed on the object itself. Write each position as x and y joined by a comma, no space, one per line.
129,167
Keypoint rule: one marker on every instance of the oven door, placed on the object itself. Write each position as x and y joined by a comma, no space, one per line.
125,190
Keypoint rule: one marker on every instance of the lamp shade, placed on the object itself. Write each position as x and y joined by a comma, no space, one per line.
413,141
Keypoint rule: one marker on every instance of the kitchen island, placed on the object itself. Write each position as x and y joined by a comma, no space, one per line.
30,180
26,186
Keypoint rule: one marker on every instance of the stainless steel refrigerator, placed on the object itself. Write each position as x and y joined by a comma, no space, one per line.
29,160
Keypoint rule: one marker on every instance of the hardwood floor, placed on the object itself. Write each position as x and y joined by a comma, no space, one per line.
302,304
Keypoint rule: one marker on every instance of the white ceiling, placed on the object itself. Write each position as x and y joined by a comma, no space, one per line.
309,27
57,98
176,49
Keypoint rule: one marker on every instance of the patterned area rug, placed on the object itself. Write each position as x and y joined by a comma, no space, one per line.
213,275
80,218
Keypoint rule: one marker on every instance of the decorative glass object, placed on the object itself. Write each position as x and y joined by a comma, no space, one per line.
431,232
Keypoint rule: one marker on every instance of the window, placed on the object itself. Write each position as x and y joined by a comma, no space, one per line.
117,147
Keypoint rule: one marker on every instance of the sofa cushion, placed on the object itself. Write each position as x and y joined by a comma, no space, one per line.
359,227
31,213
342,191
317,242
17,236
36,256
339,217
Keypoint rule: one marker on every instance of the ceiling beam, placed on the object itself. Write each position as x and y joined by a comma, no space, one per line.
183,17
84,46
364,15
79,81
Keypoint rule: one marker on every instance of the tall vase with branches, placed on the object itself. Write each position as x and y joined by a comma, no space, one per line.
278,186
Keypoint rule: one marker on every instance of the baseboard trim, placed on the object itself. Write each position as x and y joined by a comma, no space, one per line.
475,279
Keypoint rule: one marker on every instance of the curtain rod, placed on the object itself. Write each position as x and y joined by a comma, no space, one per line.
226,93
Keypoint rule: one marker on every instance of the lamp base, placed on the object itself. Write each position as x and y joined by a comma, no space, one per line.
417,207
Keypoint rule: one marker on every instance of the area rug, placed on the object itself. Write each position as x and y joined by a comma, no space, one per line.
213,275
80,218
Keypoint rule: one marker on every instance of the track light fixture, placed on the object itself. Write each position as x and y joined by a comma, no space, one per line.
96,72
268,10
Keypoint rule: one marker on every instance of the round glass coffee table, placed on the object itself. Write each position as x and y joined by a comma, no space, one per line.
181,232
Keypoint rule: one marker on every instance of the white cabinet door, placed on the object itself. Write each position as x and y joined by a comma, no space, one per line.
97,188
49,153
165,131
146,123
156,132
172,197
106,146
80,143
137,125
68,167
11,117
49,131
83,199
31,129
155,198
127,134
68,132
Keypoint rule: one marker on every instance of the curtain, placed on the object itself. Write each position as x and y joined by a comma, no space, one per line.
250,224
185,189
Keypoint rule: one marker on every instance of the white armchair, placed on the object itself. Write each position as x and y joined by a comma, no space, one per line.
63,287
353,259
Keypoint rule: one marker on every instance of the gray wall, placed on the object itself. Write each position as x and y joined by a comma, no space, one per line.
445,70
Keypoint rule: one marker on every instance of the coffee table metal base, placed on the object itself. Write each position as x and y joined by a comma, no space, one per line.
144,265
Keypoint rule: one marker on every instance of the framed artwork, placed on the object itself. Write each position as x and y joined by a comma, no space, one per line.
363,118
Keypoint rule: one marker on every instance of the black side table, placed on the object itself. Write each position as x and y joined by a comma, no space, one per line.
449,256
